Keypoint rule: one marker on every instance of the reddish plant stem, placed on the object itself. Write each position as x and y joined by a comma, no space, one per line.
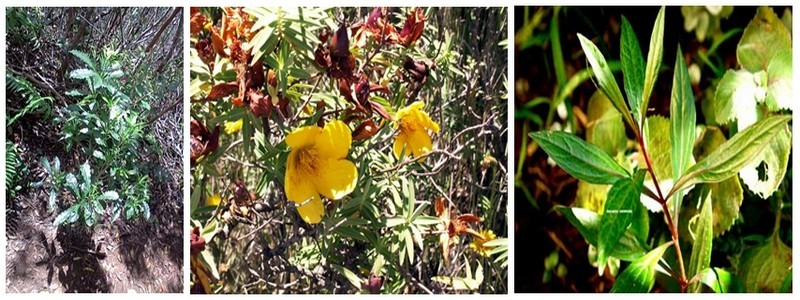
672,228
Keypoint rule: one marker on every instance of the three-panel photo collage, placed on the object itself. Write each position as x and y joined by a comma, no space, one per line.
397,150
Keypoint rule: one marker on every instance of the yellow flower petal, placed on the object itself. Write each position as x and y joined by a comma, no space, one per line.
399,143
335,140
214,200
303,136
336,178
298,188
419,143
233,127
312,211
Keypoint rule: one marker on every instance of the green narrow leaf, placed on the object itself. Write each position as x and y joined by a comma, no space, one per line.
69,216
605,78
681,126
587,222
734,154
639,276
721,281
682,118
580,159
654,56
701,248
727,195
632,68
763,37
618,214
351,277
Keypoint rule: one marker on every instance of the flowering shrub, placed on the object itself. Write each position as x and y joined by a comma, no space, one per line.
347,150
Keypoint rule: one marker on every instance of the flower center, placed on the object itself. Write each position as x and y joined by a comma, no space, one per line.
307,160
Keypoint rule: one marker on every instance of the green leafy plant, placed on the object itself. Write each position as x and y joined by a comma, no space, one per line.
36,102
678,166
54,181
105,125
89,199
15,170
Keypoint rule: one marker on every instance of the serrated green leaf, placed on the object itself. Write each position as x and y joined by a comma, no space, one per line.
639,276
580,159
81,74
736,97
764,268
84,57
733,155
628,248
618,214
108,196
779,81
701,246
68,216
605,79
659,147
776,159
632,68
763,37
721,281
654,56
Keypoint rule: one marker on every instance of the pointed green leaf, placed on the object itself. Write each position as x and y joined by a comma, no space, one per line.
734,154
779,81
701,247
682,124
580,159
726,195
587,222
84,57
618,214
721,281
762,39
639,276
605,78
763,269
632,68
682,118
654,56
776,159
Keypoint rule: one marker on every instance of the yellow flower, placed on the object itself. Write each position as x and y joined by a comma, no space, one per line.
414,125
214,200
233,127
477,243
317,165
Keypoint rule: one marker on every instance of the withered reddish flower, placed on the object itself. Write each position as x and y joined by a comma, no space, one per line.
340,43
365,130
260,105
197,21
205,51
202,142
413,28
452,227
418,70
197,242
